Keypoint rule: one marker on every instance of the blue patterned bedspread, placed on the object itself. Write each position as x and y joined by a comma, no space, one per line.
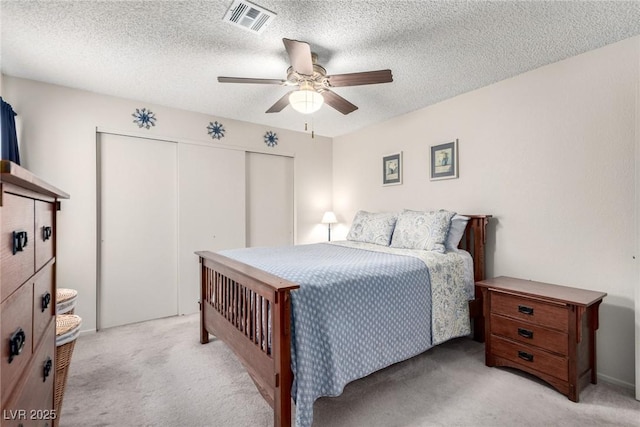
356,311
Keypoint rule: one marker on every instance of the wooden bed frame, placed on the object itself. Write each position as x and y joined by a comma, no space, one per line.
240,304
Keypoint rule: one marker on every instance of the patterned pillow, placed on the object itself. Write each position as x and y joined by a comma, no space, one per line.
371,227
422,230
456,231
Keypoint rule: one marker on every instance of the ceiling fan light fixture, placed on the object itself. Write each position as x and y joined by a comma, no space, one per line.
306,101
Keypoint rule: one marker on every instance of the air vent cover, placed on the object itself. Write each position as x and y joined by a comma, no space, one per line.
248,16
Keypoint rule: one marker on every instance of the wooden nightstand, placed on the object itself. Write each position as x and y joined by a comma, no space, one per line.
546,330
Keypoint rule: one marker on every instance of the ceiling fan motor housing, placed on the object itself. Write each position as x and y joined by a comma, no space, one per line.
318,80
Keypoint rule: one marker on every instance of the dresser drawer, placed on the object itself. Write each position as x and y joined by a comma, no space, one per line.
43,295
527,333
18,220
44,232
537,312
34,405
16,324
530,357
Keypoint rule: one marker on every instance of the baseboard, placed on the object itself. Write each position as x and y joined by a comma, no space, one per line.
88,331
615,381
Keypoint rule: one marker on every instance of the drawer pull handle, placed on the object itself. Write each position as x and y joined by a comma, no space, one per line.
525,310
525,356
46,371
16,343
46,233
20,240
525,333
46,300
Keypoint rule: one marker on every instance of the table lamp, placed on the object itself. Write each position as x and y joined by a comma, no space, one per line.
329,218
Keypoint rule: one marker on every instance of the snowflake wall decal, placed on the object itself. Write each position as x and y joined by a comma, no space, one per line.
144,118
216,130
271,139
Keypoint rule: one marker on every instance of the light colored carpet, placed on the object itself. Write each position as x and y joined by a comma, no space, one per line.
157,373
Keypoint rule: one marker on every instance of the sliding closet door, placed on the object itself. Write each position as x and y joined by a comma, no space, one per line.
138,230
211,210
269,200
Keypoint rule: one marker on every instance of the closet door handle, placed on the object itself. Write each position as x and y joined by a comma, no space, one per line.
46,300
20,240
16,343
47,231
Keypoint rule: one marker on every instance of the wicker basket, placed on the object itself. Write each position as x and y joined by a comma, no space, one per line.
66,300
67,330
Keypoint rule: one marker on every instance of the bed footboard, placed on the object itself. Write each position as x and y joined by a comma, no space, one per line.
250,310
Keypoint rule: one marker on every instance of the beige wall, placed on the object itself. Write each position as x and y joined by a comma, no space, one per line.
550,154
58,143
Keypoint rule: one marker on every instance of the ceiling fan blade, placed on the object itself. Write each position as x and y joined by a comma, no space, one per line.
364,78
299,56
339,103
246,80
280,104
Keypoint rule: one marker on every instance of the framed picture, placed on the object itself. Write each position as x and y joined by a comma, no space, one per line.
444,161
392,169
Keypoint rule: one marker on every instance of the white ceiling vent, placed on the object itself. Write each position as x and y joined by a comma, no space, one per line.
248,16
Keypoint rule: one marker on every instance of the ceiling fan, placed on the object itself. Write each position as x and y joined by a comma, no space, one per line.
313,83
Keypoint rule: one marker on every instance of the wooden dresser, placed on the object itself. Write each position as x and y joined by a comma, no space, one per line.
28,208
546,330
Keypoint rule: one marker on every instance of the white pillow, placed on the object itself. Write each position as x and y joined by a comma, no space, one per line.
456,231
371,227
422,230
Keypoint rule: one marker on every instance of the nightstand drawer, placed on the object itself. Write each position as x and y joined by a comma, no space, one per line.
530,334
554,316
530,357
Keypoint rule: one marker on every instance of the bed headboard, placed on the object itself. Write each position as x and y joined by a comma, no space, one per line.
473,241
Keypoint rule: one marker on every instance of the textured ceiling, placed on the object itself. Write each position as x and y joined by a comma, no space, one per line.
170,52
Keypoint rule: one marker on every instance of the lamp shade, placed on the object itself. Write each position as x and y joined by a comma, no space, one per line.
306,101
329,218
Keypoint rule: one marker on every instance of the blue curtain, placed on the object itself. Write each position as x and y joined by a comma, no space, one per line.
9,136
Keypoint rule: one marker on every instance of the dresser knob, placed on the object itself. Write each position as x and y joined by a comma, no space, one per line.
16,343
20,240
46,300
525,356
46,233
525,310
48,364
525,333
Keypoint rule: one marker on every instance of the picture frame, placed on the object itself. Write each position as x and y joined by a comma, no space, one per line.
444,161
392,169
